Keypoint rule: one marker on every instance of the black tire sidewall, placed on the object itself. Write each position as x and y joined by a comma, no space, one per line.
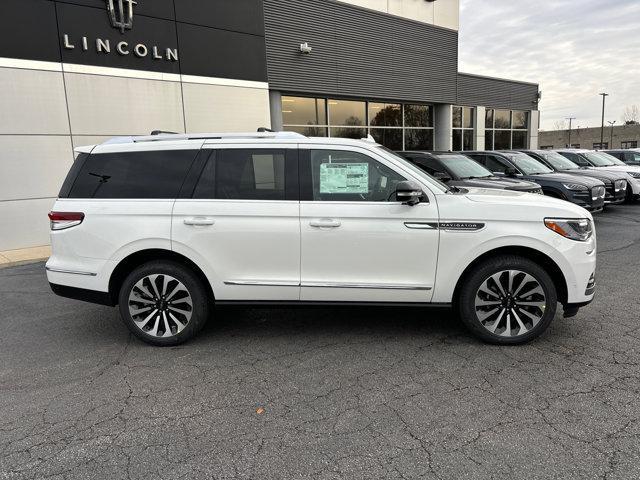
193,284
466,301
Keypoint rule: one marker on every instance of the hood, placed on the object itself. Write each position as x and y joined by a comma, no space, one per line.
600,174
497,182
566,177
516,201
620,168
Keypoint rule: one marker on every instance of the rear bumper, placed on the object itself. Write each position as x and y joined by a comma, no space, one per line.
84,295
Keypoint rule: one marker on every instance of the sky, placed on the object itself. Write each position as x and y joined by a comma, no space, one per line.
575,49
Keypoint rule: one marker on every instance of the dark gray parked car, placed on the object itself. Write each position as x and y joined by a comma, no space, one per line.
562,164
457,170
630,157
587,192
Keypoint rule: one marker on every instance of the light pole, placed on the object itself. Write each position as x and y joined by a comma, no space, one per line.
612,124
571,119
604,96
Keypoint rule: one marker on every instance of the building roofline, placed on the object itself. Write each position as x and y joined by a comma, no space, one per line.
498,78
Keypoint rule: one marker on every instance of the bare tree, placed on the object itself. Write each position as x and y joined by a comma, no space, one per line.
631,115
560,125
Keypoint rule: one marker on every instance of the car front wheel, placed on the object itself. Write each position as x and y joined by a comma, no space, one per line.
163,303
508,300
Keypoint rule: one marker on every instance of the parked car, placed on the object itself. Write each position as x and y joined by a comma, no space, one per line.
602,161
587,192
166,226
630,157
457,170
560,163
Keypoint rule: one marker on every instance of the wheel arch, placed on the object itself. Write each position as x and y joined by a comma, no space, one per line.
134,260
546,262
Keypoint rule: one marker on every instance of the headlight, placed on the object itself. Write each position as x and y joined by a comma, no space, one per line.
579,229
575,187
620,185
634,174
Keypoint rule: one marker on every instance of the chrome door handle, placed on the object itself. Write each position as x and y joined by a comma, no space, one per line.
325,223
199,221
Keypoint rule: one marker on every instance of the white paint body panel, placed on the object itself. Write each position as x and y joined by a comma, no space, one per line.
268,250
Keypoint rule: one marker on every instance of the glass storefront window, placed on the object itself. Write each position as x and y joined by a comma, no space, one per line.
457,140
511,129
418,139
304,111
310,131
467,115
502,119
519,139
467,140
346,132
488,122
396,126
488,140
347,113
385,115
457,119
389,137
463,131
502,140
418,116
520,120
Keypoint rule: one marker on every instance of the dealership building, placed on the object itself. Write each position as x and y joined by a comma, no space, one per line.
76,72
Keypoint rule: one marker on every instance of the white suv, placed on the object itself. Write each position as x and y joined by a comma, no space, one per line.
166,226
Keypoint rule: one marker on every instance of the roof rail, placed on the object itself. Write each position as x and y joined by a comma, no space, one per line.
168,137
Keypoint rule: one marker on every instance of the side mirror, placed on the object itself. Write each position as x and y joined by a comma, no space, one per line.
442,176
409,193
510,172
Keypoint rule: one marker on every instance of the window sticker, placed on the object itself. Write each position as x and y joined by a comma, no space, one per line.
344,178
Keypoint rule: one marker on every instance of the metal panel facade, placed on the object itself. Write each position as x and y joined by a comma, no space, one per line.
496,93
358,53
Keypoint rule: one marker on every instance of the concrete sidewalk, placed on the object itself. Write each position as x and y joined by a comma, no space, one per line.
11,258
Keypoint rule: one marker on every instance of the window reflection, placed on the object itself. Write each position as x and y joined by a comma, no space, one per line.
347,113
502,118
345,132
304,111
385,115
520,119
418,139
418,116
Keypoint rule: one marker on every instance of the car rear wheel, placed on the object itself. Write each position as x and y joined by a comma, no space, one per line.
163,303
508,300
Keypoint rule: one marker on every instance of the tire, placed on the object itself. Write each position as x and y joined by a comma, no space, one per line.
169,313
487,310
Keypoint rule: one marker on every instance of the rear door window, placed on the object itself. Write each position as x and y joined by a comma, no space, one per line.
495,165
150,174
249,174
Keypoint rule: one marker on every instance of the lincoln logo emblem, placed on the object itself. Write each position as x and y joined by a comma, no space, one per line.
123,17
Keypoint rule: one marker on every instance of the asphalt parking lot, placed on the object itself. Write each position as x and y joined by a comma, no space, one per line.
323,393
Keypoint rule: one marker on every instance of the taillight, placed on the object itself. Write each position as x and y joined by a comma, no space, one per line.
62,220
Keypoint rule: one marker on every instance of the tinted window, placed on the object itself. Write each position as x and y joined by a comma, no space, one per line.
73,173
156,174
494,165
428,164
528,165
575,158
464,167
243,175
338,175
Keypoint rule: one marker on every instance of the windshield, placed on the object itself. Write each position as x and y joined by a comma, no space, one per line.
611,158
417,171
559,162
528,165
464,167
597,159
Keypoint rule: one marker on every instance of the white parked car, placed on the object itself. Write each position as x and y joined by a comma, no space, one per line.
167,226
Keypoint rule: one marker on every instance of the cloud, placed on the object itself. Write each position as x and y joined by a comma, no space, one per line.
574,49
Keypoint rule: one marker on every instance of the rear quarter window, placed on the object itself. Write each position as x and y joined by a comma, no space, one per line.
150,174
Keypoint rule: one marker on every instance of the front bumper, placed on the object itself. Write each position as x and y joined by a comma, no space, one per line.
614,197
593,200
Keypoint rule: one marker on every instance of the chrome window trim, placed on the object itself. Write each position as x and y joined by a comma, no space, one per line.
70,272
